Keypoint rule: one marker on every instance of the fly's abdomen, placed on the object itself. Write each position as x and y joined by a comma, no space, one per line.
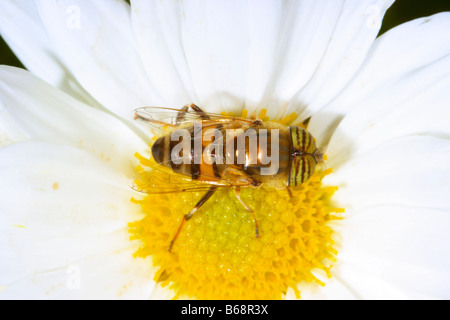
162,153
181,156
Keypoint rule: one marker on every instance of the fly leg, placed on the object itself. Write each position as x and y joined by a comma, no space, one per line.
306,122
186,217
181,114
202,114
237,191
289,191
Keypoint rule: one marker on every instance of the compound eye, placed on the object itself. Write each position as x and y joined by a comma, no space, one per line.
302,140
302,168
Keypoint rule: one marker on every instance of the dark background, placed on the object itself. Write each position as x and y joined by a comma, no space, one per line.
401,11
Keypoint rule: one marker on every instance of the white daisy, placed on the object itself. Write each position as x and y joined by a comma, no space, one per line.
379,105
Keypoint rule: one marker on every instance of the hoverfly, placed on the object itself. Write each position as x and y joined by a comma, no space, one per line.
246,166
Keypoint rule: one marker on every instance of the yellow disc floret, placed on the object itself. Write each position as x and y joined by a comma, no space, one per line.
217,256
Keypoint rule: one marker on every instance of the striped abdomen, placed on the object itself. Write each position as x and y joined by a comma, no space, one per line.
162,153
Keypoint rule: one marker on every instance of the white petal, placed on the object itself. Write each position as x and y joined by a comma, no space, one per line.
334,289
161,293
113,274
47,175
264,23
45,113
59,207
346,48
410,171
9,131
287,42
365,285
399,52
96,43
407,68
267,50
404,249
157,27
254,50
215,39
415,104
22,29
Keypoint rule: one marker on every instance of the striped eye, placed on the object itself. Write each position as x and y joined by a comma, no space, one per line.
303,156
302,168
302,140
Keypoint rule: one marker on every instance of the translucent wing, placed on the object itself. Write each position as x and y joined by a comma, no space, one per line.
171,118
155,181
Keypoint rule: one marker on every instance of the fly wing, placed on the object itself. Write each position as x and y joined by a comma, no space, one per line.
168,119
156,181
157,118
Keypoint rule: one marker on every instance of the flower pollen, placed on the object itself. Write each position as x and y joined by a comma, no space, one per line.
218,256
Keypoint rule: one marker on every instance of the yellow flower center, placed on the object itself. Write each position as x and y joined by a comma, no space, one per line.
217,255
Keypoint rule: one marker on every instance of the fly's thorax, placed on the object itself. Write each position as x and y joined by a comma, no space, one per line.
267,153
304,156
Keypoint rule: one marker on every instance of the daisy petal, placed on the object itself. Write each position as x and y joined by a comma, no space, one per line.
22,29
155,23
76,211
410,171
415,87
9,131
414,104
287,42
113,274
365,285
333,289
218,69
96,43
347,46
45,113
404,247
